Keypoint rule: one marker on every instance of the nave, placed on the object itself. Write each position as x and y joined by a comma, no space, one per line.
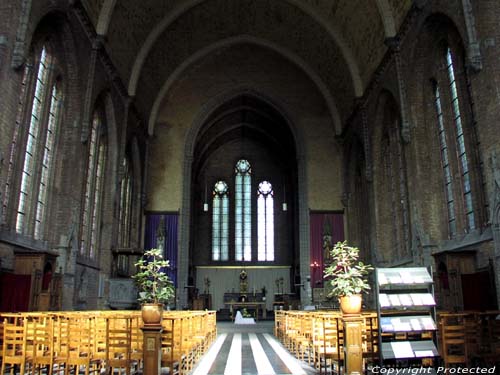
252,349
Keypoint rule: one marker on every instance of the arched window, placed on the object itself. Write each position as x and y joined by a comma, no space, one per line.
93,188
453,148
125,216
243,211
35,135
220,222
460,141
125,205
265,222
445,162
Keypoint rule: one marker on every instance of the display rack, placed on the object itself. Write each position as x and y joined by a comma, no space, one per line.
407,314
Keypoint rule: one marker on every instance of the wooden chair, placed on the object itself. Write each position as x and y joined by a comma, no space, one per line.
42,333
118,346
136,342
490,338
16,355
370,338
170,354
79,349
303,338
327,352
453,339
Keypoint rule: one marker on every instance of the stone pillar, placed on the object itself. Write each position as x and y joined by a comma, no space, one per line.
474,59
151,349
305,260
353,344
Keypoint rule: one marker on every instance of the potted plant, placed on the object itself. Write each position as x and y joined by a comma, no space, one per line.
347,277
155,287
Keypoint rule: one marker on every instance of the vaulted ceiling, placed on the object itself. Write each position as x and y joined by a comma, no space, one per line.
338,43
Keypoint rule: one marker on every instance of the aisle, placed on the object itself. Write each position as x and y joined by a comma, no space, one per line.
249,350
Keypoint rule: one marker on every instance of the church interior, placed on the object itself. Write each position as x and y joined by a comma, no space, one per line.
244,139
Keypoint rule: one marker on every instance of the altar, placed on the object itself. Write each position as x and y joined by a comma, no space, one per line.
228,285
254,307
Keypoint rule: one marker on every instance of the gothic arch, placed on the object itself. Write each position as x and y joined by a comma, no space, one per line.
334,113
185,211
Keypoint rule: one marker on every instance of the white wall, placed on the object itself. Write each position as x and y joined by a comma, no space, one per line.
227,279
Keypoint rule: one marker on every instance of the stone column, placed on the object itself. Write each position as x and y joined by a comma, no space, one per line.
474,59
305,268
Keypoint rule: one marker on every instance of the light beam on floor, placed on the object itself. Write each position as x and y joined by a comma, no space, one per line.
233,364
208,359
260,357
289,361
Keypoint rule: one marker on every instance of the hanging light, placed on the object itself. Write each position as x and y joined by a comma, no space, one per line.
205,204
285,206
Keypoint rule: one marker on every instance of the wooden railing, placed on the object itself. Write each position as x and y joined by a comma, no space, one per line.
95,341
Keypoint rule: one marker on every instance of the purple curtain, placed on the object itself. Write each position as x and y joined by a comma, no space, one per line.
163,225
324,227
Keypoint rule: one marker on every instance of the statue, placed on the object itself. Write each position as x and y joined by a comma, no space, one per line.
327,240
243,282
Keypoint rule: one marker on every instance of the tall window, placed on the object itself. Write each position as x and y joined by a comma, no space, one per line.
454,158
35,133
459,134
93,189
125,205
220,219
265,222
243,211
445,162
125,216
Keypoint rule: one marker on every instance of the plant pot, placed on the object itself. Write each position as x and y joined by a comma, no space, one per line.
152,314
350,304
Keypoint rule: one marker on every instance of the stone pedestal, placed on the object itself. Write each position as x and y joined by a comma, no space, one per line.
151,350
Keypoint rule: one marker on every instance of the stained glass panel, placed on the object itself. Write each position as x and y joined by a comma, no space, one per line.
460,142
265,222
243,211
220,221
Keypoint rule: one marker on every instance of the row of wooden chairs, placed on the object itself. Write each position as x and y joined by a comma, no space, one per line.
469,338
185,338
99,341
318,337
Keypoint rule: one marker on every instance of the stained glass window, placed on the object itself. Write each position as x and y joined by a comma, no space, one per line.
46,165
220,222
460,142
93,189
125,216
445,162
41,120
125,205
34,135
243,211
265,222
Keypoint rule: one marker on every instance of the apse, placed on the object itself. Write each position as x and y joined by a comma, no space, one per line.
243,201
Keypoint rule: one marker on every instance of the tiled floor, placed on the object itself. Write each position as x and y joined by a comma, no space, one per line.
249,350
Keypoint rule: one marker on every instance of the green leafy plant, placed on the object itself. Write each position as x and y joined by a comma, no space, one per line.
346,275
153,283
245,313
